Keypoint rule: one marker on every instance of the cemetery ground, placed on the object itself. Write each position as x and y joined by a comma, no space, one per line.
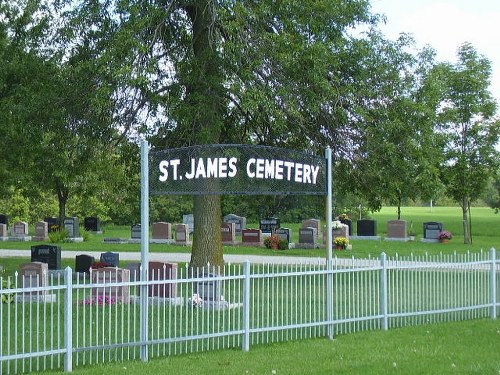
485,233
468,347
463,347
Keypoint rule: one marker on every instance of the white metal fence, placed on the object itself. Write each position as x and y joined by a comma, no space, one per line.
77,321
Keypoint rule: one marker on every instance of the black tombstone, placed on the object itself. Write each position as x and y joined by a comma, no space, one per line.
366,227
50,254
52,223
347,222
83,263
113,259
92,224
4,219
72,226
432,230
269,224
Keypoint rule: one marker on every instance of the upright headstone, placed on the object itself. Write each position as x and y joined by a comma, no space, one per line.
92,224
269,224
3,232
432,230
209,289
252,237
34,275
72,226
4,219
135,271
228,231
111,275
339,231
83,263
307,237
53,223
50,254
159,271
396,230
284,233
367,230
189,221
182,234
20,229
240,222
313,223
41,231
162,231
135,232
348,222
110,258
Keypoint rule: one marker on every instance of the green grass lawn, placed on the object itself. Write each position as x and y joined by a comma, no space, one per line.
469,347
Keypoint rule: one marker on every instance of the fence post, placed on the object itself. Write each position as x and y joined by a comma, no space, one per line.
493,283
246,307
68,321
383,291
329,298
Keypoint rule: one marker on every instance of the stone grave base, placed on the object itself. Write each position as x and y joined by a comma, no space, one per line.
372,238
114,240
430,240
36,238
214,305
166,241
183,243
134,240
74,239
19,239
175,301
306,246
400,239
44,298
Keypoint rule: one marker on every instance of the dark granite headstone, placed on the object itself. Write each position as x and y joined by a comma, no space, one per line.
366,228
136,232
269,224
83,263
110,258
49,254
432,230
307,236
72,226
4,219
347,222
284,233
240,222
92,224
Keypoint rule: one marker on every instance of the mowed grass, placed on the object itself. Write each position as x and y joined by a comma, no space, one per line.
485,233
470,347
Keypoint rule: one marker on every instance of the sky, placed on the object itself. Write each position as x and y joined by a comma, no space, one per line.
445,25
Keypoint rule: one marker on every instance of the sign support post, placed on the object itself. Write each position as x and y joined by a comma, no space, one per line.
144,247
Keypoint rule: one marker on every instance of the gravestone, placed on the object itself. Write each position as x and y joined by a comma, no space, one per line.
348,222
396,230
159,271
182,234
240,222
136,232
284,233
4,219
135,271
110,275
228,231
269,224
366,230
34,275
53,223
189,221
83,263
252,237
41,231
162,231
20,229
432,230
209,289
3,232
72,226
92,224
343,231
110,258
313,223
50,254
307,237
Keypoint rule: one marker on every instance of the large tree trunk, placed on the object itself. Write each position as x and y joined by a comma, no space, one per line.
62,197
204,94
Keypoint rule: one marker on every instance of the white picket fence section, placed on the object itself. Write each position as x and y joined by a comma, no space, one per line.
75,321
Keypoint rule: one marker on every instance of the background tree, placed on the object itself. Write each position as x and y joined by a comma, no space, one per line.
466,119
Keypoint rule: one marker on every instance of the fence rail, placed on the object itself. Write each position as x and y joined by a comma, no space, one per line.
79,319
